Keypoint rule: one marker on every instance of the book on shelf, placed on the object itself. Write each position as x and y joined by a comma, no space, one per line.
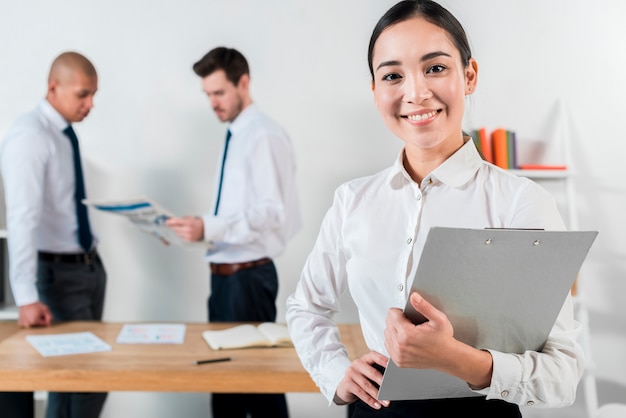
266,334
504,148
511,146
500,147
483,143
541,167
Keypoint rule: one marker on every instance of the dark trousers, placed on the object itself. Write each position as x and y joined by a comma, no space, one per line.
246,296
73,292
438,408
17,405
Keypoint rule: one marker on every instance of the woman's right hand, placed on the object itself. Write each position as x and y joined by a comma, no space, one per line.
362,381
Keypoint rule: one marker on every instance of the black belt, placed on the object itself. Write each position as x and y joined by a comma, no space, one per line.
81,258
228,269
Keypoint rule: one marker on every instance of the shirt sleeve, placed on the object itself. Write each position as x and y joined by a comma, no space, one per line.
310,309
542,379
23,169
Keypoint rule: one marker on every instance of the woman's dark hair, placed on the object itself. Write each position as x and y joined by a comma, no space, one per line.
230,60
433,13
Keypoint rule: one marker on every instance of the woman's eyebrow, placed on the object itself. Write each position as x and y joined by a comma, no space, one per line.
435,54
425,57
387,64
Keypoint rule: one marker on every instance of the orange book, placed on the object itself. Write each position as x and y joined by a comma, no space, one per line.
500,148
485,144
542,167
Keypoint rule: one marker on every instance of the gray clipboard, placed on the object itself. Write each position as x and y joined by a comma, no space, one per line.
501,288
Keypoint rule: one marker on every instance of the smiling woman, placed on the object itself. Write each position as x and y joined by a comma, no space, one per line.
419,89
422,70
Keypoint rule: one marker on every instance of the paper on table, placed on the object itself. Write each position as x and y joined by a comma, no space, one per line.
65,344
146,215
152,334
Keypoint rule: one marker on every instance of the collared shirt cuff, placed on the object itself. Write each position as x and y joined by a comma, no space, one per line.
507,373
331,376
24,293
214,228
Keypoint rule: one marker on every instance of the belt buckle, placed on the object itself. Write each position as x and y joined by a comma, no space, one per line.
88,258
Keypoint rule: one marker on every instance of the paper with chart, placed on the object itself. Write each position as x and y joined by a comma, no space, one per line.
146,215
152,334
66,344
501,289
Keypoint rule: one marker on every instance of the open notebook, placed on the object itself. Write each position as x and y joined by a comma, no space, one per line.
267,334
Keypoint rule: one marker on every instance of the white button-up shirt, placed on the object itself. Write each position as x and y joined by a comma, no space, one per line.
38,174
259,205
370,242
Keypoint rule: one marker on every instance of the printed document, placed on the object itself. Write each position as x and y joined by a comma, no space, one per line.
146,215
65,344
152,334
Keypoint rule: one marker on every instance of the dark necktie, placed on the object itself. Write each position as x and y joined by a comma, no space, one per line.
219,190
84,231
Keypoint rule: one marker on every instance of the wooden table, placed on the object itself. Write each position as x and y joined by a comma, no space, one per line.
154,367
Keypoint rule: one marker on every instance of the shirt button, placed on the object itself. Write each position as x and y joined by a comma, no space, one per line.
401,287
504,393
419,197
409,240
530,403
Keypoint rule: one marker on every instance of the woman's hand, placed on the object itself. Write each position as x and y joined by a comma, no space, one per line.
431,345
362,381
418,346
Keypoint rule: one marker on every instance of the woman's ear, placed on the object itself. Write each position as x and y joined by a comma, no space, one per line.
471,76
373,87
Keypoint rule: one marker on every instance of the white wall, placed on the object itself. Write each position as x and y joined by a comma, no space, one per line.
152,131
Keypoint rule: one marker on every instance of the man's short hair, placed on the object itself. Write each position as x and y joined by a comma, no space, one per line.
231,61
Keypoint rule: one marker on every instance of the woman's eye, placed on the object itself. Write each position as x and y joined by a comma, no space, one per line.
391,77
435,69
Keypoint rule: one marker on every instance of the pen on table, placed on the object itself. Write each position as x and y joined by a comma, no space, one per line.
213,360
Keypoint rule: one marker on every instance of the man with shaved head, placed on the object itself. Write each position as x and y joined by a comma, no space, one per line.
55,271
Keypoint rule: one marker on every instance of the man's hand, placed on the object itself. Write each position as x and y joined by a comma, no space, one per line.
34,315
189,228
362,381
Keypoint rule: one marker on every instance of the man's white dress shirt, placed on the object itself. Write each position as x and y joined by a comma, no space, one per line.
259,204
38,174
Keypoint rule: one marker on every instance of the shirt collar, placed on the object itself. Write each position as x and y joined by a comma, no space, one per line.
52,115
460,167
457,170
243,119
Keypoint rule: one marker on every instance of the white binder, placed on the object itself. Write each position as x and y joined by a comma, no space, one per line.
502,289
